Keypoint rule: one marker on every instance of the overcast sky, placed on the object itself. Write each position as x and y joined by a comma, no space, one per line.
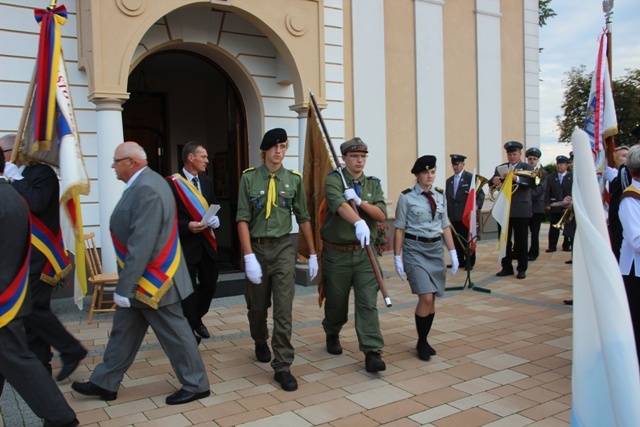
570,40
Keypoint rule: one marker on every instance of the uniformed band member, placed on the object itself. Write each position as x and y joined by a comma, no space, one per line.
537,201
521,211
345,263
267,197
421,226
559,185
457,191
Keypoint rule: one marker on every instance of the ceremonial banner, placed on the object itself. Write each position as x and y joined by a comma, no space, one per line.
501,211
605,378
470,214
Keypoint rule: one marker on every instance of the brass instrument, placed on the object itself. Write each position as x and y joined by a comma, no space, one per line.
480,182
566,218
536,175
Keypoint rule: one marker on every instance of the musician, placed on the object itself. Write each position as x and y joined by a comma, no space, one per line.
533,155
520,212
457,191
559,185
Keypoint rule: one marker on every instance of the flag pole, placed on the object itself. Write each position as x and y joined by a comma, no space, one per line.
374,264
609,143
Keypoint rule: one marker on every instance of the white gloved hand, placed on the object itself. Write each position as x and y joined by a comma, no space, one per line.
214,222
121,301
610,173
454,261
11,172
313,266
350,194
397,260
362,232
252,269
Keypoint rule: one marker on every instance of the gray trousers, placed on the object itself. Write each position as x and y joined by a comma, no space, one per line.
176,338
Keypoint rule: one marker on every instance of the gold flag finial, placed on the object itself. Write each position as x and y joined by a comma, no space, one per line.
52,5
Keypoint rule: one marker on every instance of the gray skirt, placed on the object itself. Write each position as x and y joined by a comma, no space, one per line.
424,266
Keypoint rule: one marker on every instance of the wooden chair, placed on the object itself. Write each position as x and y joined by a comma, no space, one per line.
102,282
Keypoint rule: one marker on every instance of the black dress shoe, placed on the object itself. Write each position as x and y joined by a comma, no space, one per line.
569,262
504,272
333,344
373,362
532,258
287,381
202,331
550,250
449,266
432,351
568,301
521,275
72,423
263,354
566,249
183,396
70,365
423,351
90,389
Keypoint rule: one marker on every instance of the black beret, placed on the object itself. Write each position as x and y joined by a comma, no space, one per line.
273,137
354,144
533,151
562,159
424,163
512,146
456,159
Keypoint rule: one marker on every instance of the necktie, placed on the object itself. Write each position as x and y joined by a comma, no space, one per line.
271,194
195,182
356,187
456,182
432,202
560,178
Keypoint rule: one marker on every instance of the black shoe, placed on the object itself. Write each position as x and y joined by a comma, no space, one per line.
423,351
202,331
333,344
183,396
90,389
449,266
550,250
287,381
521,275
504,272
569,262
567,301
432,351
566,249
73,423
373,362
70,365
263,354
532,258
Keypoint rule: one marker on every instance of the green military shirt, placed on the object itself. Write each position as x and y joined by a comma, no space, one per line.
337,230
252,201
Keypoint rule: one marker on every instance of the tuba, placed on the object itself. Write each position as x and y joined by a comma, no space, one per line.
481,181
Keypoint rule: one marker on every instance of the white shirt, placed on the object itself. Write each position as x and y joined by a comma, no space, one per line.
190,178
133,178
629,213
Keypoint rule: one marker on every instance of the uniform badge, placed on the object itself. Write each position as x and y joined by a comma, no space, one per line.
286,186
368,194
261,192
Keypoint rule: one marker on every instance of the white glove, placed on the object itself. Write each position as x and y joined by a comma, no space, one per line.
214,222
121,301
313,266
252,269
454,261
362,232
11,172
397,260
350,194
610,173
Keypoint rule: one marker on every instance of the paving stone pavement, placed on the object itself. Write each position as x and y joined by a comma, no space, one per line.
504,359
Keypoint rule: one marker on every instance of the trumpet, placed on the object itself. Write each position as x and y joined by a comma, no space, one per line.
566,218
536,175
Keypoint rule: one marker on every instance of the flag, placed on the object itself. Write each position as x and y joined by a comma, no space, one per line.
600,121
605,377
470,214
501,211
49,104
317,165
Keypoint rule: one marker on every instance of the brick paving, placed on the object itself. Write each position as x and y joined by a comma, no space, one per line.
504,359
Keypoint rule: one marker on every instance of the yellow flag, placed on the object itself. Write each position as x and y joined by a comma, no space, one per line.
501,211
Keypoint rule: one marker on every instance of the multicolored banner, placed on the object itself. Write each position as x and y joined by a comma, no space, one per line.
58,263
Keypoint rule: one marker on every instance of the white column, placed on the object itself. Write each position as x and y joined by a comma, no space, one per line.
302,136
531,74
109,136
430,82
489,86
370,115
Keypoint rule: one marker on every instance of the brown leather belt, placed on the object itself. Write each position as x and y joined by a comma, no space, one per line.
268,240
341,248
422,239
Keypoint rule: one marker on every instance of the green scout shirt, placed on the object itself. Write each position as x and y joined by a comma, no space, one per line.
252,200
337,230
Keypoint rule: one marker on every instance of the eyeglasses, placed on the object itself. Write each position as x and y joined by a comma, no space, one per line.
6,151
116,161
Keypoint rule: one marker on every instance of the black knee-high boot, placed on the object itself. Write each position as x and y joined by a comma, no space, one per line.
423,326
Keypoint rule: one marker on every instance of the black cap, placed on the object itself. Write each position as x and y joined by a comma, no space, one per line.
273,137
571,155
424,163
562,159
456,159
354,144
512,146
533,151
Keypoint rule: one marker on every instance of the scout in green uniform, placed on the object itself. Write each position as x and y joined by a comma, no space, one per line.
268,196
344,259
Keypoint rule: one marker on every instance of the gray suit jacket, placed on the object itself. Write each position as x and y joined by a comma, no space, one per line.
143,221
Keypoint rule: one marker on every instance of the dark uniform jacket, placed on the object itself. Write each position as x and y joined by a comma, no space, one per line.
537,194
520,200
455,205
555,192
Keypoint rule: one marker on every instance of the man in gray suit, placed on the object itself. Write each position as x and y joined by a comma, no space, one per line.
145,234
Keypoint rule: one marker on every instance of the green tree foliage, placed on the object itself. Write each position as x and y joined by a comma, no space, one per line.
626,93
544,12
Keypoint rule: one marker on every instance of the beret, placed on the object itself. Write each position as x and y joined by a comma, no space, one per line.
424,163
273,137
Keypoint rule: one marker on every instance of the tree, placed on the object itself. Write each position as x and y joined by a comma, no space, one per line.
544,12
626,92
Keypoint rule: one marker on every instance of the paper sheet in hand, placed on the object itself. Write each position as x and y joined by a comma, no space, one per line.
211,212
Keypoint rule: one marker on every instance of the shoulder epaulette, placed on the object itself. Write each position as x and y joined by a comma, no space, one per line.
439,190
295,172
332,172
374,177
248,170
407,191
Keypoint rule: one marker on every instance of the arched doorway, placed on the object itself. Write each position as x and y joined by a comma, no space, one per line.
178,96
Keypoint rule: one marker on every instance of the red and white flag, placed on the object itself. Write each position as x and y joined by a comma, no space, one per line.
470,214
